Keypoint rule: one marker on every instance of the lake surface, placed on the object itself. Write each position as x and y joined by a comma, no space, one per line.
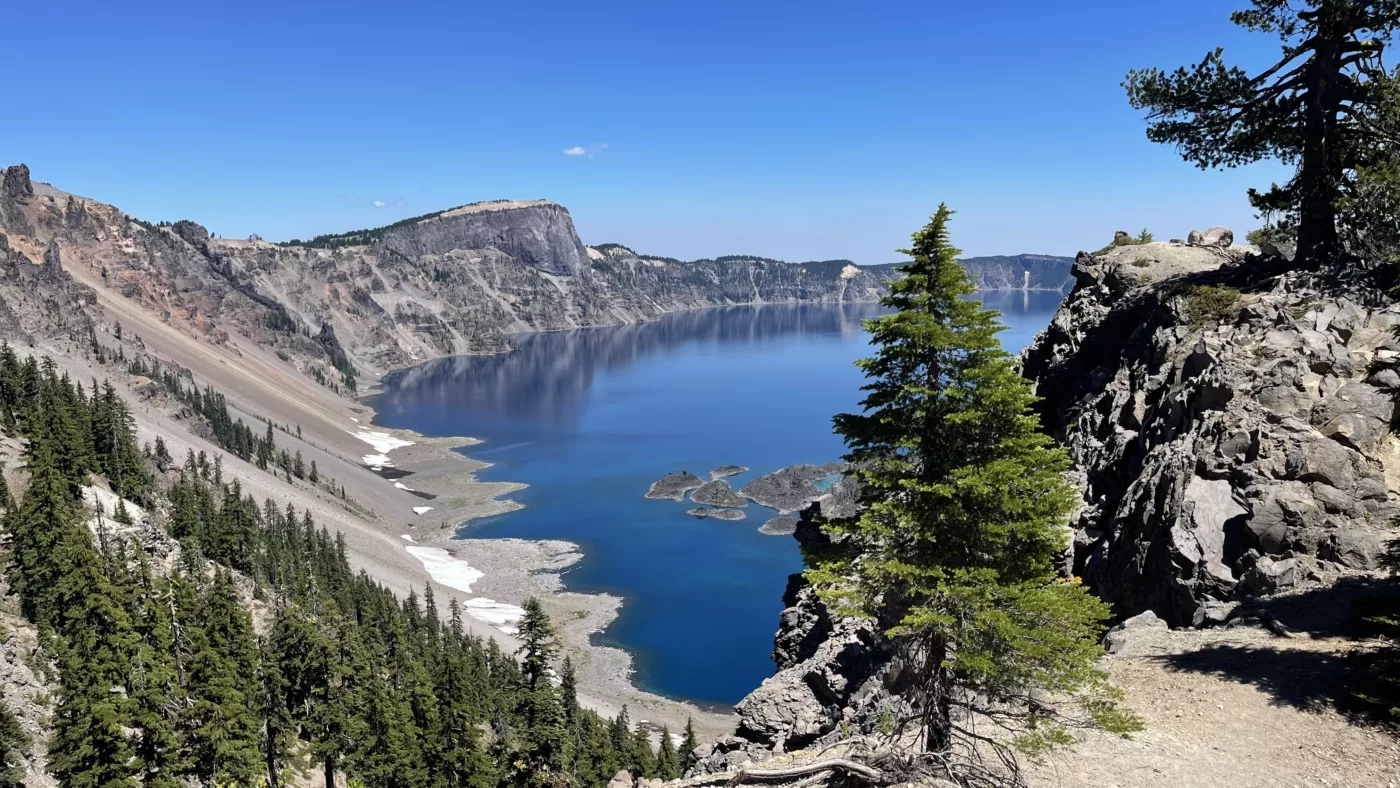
590,418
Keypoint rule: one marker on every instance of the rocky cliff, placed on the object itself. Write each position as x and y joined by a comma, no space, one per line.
449,283
1020,272
1231,425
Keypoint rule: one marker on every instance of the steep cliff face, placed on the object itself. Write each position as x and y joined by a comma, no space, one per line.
449,283
1232,425
1020,272
539,234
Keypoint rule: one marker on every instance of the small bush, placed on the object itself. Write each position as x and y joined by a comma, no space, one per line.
1210,304
1142,262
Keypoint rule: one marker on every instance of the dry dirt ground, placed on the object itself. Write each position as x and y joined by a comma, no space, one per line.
1240,706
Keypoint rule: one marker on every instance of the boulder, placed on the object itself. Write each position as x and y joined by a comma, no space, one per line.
1221,237
622,779
1120,637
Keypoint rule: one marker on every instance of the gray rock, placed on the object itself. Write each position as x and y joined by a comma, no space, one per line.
674,486
17,185
727,470
1220,237
717,514
718,493
193,234
791,488
539,234
1199,442
1119,638
782,525
622,779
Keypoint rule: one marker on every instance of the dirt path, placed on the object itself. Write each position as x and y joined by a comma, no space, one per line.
1238,707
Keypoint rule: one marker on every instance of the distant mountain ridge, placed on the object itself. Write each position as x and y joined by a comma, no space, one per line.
993,272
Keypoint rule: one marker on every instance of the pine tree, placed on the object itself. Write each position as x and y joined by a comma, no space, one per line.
155,688
668,766
688,756
45,515
4,490
89,745
14,743
643,759
543,745
964,507
222,727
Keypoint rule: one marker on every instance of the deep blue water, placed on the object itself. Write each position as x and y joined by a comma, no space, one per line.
590,418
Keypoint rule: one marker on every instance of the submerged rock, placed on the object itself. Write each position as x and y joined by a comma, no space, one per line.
791,488
727,470
782,525
674,486
718,514
718,493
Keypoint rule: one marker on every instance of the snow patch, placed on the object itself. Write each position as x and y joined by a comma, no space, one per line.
406,537
383,443
422,509
500,615
403,486
442,567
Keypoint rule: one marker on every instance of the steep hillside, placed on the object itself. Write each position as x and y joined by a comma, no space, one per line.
1020,272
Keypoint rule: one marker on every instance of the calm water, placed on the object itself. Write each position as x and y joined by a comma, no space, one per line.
590,418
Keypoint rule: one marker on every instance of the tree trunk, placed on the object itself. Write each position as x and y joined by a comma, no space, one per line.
938,718
1319,176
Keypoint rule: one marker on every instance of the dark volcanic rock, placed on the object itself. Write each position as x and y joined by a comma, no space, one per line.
17,183
782,525
718,514
1224,451
194,234
718,493
791,488
674,486
727,470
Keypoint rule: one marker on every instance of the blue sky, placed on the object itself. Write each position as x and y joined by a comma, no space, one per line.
803,130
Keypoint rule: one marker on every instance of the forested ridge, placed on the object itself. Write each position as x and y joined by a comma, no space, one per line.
251,653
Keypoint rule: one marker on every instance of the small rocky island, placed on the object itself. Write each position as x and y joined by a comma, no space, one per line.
791,488
727,470
674,486
718,514
782,525
718,493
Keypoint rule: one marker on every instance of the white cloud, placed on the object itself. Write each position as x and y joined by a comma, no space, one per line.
592,151
378,203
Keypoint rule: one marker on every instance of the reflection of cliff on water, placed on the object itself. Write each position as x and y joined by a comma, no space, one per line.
547,375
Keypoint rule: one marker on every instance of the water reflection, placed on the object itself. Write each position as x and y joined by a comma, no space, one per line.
546,378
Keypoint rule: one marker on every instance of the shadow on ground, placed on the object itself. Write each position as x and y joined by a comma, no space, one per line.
1345,679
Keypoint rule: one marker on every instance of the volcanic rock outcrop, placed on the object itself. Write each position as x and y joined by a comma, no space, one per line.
1231,424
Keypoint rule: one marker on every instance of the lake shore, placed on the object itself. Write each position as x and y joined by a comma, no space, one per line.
506,572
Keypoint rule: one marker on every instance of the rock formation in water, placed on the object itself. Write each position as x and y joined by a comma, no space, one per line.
782,525
718,514
718,493
674,486
791,488
727,470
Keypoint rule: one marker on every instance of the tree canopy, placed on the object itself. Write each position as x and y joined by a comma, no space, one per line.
964,506
1320,108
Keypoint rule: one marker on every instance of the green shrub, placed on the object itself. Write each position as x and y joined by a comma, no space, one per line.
1210,304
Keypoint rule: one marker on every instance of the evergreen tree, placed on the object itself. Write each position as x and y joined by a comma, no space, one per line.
4,490
155,686
687,755
668,765
89,745
543,745
1315,108
44,518
963,518
643,759
14,743
222,726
